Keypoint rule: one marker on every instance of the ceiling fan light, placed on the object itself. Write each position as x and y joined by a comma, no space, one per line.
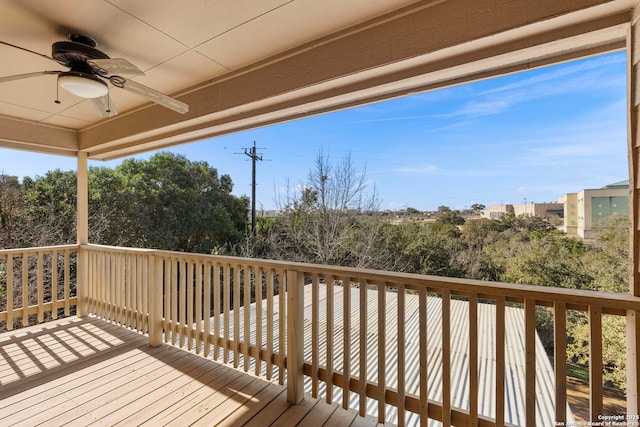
83,85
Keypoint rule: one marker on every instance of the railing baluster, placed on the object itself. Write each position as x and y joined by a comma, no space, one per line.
190,300
175,264
142,301
9,292
131,294
258,328
183,303
119,289
206,309
315,333
329,338
101,286
236,315
54,285
560,360
446,357
269,323
91,281
67,283
216,310
25,289
126,286
145,283
530,361
401,354
110,273
382,341
424,362
198,314
473,360
167,299
247,318
226,288
362,398
108,286
500,359
346,347
595,362
282,321
40,282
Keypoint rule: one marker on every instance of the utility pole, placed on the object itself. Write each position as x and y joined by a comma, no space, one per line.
253,155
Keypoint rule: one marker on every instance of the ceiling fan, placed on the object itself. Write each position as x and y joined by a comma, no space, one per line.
90,70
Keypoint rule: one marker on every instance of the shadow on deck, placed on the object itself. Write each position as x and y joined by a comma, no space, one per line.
84,371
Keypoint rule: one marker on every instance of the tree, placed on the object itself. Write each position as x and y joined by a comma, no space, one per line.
428,250
11,208
50,209
607,262
477,208
446,216
167,202
321,219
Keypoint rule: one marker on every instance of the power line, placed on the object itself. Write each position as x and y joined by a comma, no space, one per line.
253,155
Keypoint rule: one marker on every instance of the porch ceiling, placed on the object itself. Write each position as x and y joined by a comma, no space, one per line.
242,64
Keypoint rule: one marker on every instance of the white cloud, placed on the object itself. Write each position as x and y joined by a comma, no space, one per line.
589,75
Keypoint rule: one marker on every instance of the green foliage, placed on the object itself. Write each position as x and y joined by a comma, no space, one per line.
447,216
11,207
50,208
549,259
477,208
608,259
166,202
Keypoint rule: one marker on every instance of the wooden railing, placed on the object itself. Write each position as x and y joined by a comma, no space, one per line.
379,342
37,284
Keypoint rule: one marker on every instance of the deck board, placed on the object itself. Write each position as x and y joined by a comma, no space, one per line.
84,371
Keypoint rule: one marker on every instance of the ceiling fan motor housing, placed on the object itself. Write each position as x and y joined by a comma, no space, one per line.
75,55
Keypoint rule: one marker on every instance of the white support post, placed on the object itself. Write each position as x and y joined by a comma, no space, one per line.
82,233
295,337
633,128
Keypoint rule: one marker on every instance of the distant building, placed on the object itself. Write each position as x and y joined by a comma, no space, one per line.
583,210
547,211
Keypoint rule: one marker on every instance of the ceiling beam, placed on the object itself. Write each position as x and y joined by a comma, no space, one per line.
38,137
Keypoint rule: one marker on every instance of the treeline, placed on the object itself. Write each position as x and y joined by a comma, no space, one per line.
332,218
166,202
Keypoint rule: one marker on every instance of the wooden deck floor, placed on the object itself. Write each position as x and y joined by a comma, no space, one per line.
83,371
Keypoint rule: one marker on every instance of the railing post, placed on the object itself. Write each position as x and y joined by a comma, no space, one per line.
82,282
633,362
633,138
156,267
295,336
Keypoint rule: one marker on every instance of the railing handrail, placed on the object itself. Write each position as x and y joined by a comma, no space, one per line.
14,251
577,299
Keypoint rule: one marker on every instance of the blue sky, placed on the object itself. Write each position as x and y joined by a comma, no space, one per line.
536,135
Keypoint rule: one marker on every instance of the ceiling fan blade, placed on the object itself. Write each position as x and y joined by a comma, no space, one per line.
27,75
104,106
30,51
117,66
155,96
